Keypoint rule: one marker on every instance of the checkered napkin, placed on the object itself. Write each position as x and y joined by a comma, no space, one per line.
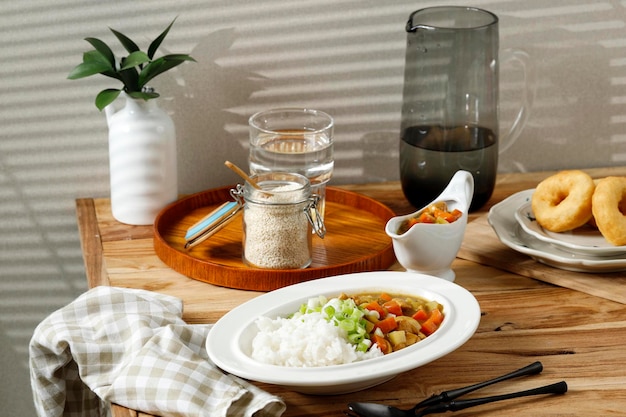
132,348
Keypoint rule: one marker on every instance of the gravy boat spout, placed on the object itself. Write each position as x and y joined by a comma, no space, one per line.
430,248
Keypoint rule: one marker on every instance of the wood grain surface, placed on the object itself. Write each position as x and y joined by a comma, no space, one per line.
579,337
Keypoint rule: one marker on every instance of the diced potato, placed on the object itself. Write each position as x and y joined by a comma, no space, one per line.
432,305
397,337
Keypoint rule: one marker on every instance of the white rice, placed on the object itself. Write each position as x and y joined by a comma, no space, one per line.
308,340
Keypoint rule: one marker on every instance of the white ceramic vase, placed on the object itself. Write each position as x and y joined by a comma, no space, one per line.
142,160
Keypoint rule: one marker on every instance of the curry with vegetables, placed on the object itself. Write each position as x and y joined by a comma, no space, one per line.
391,322
436,213
395,322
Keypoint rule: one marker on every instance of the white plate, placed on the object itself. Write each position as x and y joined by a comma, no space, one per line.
510,232
229,341
584,240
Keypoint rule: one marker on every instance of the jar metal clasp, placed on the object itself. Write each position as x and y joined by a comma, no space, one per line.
237,194
314,217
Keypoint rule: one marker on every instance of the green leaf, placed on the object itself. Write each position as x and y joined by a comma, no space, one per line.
112,74
87,69
143,95
134,71
130,78
96,56
103,48
128,44
157,42
160,65
94,62
106,97
135,59
181,57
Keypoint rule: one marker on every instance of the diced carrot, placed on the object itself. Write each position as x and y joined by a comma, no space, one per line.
393,307
374,306
428,327
432,323
436,316
420,315
425,218
450,217
385,296
387,325
382,343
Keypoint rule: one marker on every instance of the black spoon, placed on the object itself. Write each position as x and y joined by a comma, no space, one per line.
443,402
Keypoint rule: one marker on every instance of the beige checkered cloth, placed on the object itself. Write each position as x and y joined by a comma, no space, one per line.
131,347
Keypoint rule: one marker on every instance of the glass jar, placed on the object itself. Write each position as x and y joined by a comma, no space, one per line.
278,221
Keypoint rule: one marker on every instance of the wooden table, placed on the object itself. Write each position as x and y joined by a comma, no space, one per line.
578,337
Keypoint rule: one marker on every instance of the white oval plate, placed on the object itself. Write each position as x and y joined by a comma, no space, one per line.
502,219
230,340
584,240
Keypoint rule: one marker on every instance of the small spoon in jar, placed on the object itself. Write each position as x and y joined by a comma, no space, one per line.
242,174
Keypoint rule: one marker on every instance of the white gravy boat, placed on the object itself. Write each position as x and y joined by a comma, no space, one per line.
431,248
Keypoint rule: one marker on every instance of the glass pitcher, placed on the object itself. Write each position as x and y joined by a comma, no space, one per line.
450,102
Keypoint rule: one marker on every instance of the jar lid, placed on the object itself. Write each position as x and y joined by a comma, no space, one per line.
278,188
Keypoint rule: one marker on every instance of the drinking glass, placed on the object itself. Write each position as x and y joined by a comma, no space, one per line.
294,140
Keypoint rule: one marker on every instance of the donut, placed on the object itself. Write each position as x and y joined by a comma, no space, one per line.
609,209
562,201
592,220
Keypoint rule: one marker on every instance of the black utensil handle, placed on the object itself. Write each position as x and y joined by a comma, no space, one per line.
532,369
556,388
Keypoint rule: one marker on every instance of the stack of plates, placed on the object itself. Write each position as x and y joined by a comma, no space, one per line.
581,250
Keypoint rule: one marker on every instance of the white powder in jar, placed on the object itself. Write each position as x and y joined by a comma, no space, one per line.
277,234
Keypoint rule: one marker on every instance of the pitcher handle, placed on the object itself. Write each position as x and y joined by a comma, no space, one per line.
528,95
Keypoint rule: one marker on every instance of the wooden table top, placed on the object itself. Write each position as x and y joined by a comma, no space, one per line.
578,337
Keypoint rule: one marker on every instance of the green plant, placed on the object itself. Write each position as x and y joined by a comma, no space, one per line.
134,70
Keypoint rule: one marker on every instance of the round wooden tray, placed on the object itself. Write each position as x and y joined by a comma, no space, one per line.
355,241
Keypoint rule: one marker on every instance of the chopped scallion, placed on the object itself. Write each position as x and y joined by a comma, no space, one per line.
342,313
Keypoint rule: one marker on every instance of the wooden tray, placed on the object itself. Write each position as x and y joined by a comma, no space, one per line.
355,242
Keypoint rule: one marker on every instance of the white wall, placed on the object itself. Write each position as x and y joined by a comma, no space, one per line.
342,56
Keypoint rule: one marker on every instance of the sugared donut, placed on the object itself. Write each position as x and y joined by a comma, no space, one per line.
562,201
609,209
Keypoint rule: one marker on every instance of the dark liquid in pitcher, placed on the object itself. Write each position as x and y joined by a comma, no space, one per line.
431,155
